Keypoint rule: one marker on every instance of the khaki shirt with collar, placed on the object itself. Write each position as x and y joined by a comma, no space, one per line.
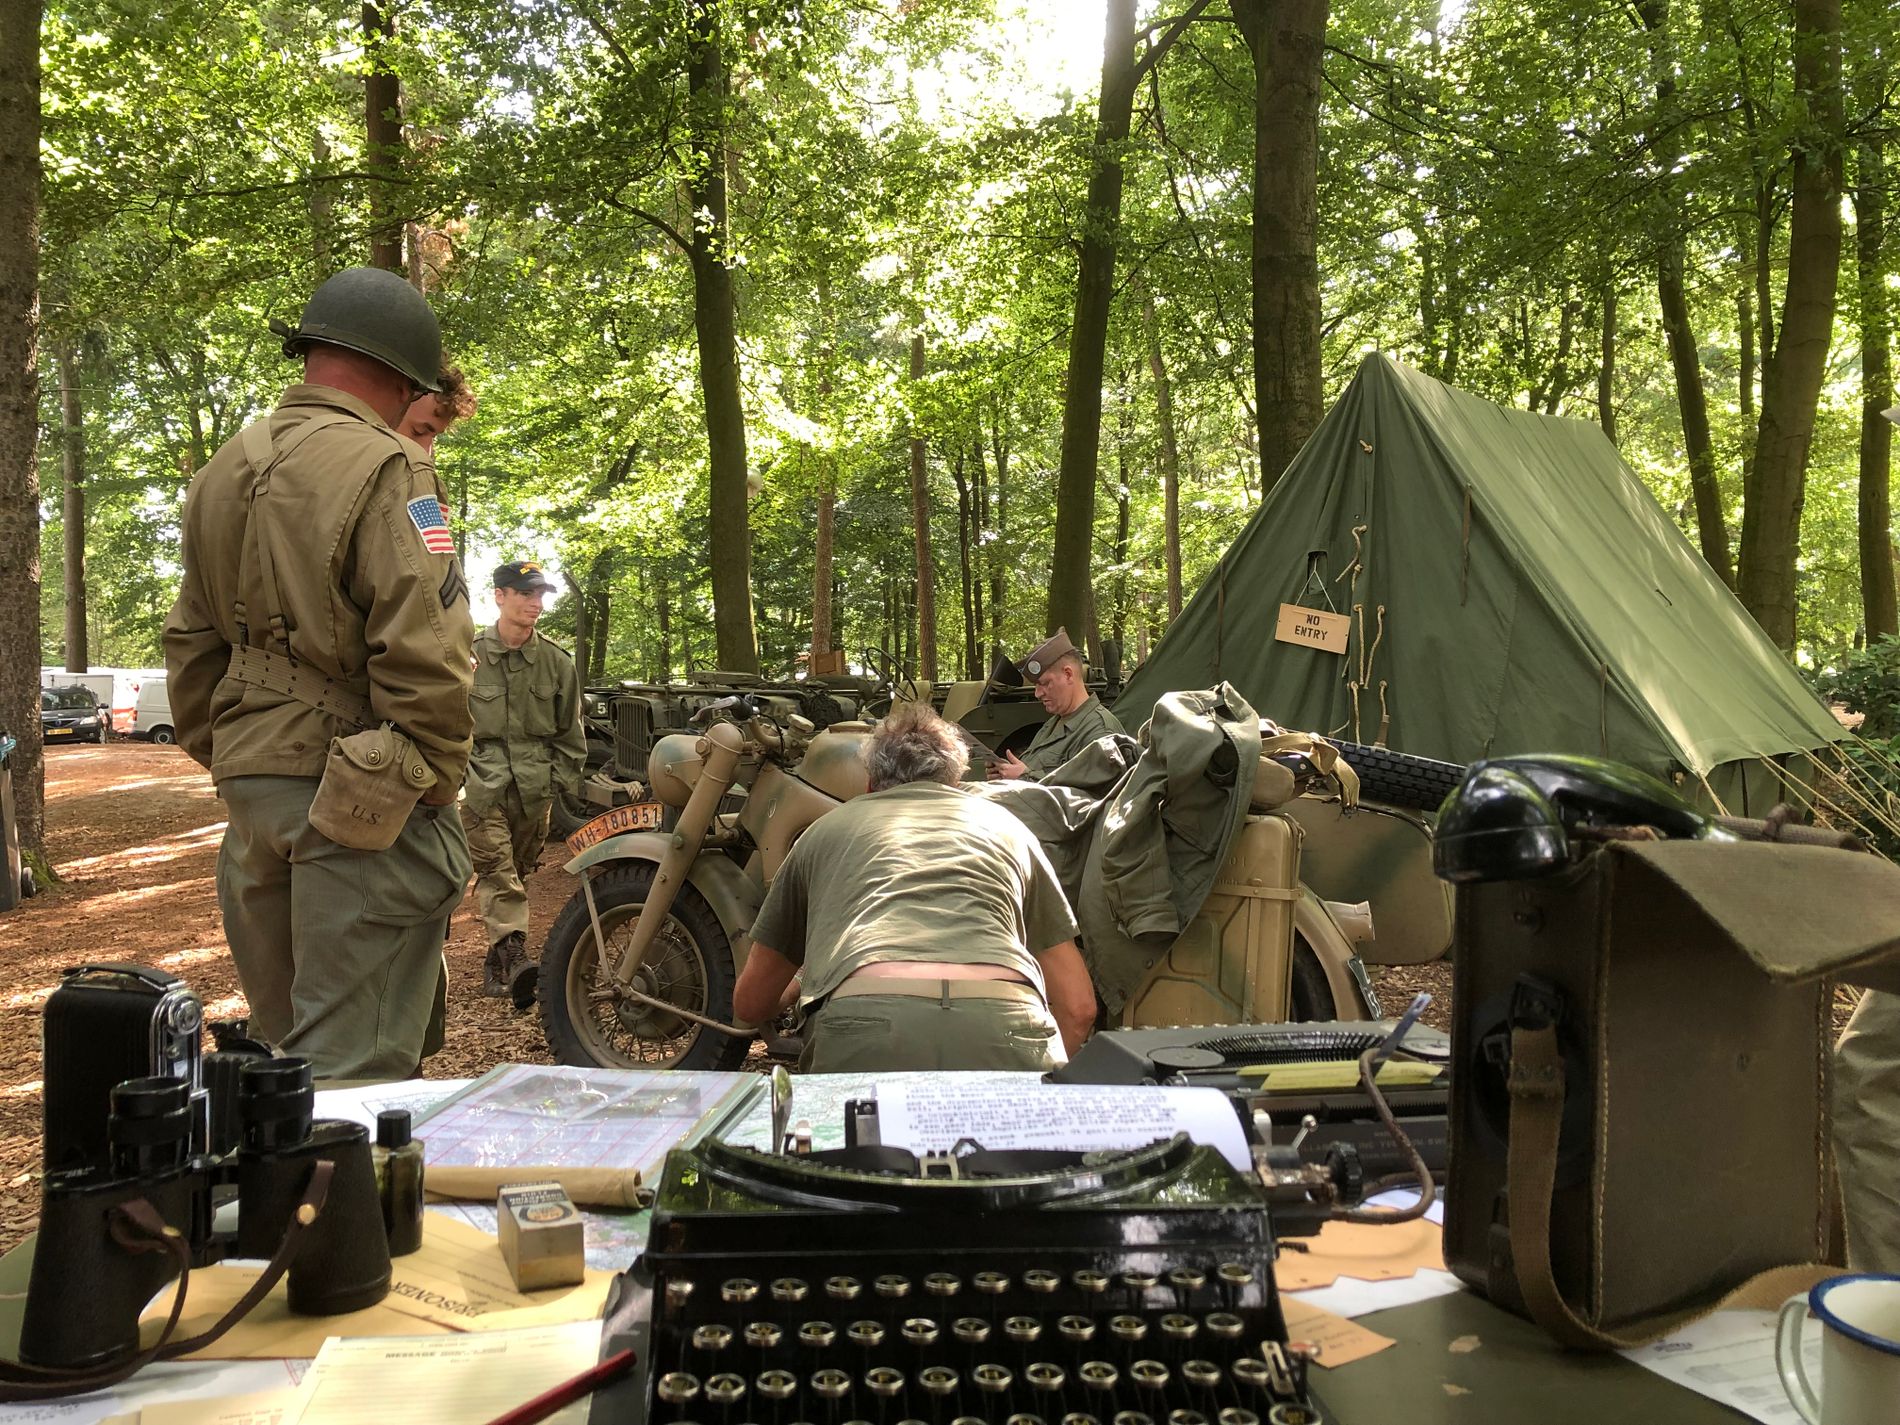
366,602
527,705
1060,738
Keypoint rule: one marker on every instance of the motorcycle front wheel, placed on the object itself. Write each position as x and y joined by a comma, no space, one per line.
688,965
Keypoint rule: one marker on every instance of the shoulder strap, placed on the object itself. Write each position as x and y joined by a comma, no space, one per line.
1536,1083
264,454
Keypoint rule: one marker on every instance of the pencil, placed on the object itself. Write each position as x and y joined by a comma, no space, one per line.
568,1391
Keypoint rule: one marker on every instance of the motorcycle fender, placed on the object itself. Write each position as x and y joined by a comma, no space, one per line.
732,894
1314,924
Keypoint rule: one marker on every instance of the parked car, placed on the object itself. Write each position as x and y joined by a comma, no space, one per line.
152,714
117,689
72,714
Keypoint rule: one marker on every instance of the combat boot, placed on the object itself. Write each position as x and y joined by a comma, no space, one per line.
519,973
494,978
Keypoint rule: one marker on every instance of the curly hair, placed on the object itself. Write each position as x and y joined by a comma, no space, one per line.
456,400
913,744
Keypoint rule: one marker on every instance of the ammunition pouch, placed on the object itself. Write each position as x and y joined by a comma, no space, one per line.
371,782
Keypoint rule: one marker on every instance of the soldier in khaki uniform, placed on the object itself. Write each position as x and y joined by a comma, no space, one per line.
1076,716
321,597
925,925
528,746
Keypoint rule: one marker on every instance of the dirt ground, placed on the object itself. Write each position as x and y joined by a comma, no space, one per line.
133,832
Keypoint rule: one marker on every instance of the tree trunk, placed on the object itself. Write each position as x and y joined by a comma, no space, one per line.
1170,458
966,582
320,198
1072,554
920,524
1606,365
73,508
583,624
1287,41
999,582
983,556
600,623
715,322
19,409
663,619
1791,386
1878,613
821,559
382,130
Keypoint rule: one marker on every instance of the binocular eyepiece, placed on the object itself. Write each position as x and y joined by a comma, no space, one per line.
342,1263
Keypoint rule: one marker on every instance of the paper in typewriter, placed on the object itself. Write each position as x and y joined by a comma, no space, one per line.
932,1115
558,1116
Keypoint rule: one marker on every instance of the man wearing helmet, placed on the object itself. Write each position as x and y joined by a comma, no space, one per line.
321,600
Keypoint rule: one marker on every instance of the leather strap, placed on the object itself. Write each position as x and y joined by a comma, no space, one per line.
263,668
1536,1084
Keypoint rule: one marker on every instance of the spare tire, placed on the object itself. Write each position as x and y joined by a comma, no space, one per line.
1399,779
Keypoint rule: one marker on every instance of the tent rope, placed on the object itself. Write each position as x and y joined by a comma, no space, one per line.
1464,565
1385,715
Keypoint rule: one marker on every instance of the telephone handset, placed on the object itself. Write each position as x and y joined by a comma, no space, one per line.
1512,818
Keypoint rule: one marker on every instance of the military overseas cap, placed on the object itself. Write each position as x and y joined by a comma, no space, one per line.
374,312
1046,654
524,576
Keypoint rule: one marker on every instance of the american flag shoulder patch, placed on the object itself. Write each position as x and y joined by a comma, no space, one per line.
426,514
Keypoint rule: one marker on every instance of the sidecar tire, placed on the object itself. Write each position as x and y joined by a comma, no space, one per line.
579,1031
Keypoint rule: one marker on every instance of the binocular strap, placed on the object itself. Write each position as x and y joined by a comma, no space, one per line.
137,1227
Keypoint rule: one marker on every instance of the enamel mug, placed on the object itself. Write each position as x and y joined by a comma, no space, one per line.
1860,1351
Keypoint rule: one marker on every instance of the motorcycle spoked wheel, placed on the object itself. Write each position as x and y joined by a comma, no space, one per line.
688,964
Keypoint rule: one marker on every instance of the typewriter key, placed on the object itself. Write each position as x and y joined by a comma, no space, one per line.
1179,1329
970,1330
1139,1282
763,1335
778,1385
679,1292
1234,1277
1091,1283
943,1284
1023,1330
1234,1415
960,1420
789,1289
738,1289
725,1389
817,1334
939,1381
1127,1329
1075,1329
1202,1375
1224,1326
920,1331
1045,1377
677,1387
993,1379
1186,1281
712,1338
1186,1417
1080,1419
830,1384
1293,1415
990,1283
1024,1420
891,1287
843,1288
1132,1417
1251,1373
1149,1375
885,1382
868,1334
1043,1282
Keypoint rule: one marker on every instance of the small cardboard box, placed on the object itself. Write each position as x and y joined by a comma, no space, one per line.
542,1235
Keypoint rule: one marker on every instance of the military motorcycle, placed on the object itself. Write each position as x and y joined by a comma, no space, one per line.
1330,871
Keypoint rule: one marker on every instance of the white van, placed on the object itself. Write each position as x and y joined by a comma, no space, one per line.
117,689
152,715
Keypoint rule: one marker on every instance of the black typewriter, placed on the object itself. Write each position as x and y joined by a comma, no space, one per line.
1027,1288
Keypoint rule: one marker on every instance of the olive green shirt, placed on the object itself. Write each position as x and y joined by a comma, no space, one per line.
916,872
1061,738
373,595
527,704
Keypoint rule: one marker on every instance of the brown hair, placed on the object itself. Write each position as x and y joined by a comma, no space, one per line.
456,400
913,744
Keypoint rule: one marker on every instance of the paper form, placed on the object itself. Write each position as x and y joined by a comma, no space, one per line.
930,1117
447,1380
189,1382
1729,1356
270,1407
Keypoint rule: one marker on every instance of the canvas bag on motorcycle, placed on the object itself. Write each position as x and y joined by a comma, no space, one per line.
1639,1120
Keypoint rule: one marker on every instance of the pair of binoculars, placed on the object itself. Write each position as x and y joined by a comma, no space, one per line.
92,1279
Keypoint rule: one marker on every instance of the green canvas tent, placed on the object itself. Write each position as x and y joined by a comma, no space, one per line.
1509,585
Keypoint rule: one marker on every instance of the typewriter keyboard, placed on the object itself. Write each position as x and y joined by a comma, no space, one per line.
1127,1338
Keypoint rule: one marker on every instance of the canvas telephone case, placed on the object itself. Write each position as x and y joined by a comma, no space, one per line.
372,780
1640,1111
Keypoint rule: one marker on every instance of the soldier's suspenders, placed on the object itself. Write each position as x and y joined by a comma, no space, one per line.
258,665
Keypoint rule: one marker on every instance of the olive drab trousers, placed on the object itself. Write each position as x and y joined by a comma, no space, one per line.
1867,1132
504,843
339,950
866,1033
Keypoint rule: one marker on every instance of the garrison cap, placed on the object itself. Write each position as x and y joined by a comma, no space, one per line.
523,576
1045,654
